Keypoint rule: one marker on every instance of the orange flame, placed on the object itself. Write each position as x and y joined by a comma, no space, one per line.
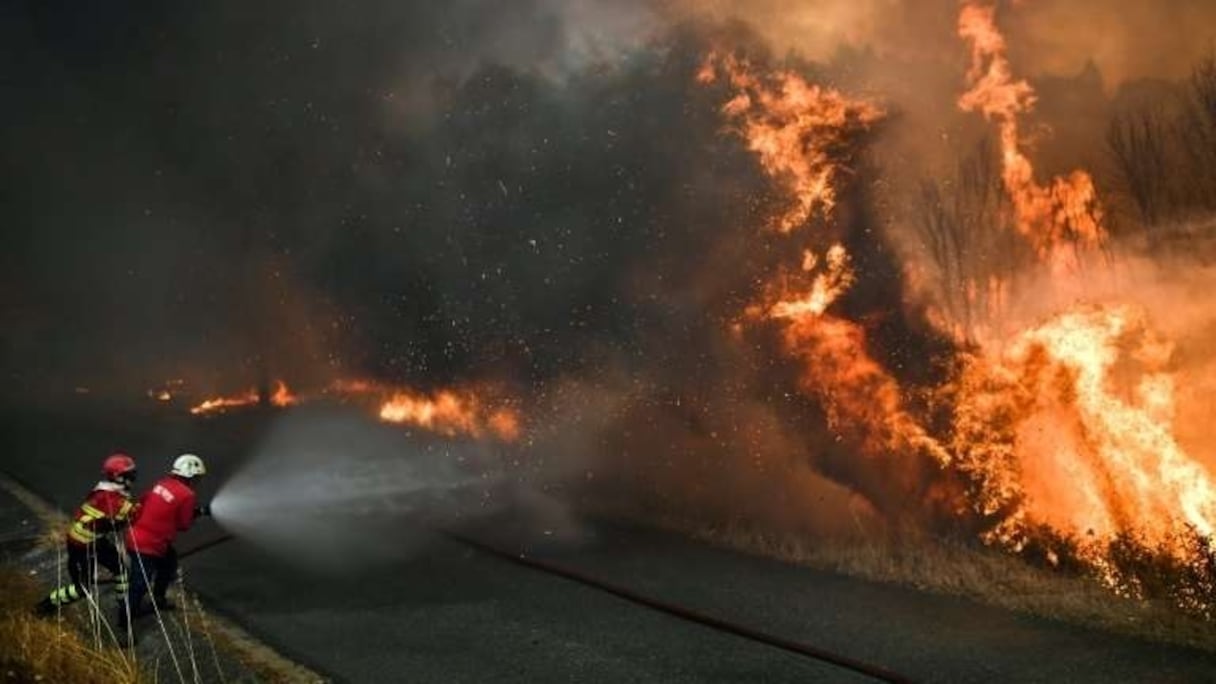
1071,428
1051,217
798,131
221,404
450,413
282,396
1070,425
826,287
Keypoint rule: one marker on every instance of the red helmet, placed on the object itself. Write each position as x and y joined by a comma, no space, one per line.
118,467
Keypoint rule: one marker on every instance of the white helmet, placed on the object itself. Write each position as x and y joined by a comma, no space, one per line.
188,466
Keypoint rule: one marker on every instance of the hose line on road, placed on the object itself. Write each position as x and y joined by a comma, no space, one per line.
682,612
675,610
205,545
187,553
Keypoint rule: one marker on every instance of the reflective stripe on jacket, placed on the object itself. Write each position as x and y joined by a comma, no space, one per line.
109,504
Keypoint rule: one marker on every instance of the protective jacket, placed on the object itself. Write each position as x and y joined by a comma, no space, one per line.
108,506
165,510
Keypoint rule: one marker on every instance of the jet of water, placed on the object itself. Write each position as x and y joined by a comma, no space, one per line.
335,490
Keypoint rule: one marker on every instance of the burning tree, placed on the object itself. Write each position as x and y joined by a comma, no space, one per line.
965,223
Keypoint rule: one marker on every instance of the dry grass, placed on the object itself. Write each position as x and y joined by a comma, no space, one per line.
986,575
54,529
48,650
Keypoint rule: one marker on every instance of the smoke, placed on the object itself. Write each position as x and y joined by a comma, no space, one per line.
1127,40
170,209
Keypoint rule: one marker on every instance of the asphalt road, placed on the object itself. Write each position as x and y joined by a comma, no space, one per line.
448,613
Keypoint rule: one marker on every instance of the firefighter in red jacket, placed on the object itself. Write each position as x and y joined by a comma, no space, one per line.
168,508
90,540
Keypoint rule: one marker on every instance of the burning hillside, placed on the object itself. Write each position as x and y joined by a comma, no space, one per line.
1058,434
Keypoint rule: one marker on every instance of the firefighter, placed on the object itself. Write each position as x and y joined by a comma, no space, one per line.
90,538
168,508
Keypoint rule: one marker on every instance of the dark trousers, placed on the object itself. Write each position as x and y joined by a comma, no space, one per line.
82,560
160,571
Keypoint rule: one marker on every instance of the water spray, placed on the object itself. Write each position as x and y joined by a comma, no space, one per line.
334,490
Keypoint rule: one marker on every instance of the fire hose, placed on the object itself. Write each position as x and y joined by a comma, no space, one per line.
187,553
682,612
205,545
675,610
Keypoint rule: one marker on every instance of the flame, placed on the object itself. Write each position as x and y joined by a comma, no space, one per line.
504,423
863,402
1068,424
1066,212
826,287
451,413
801,133
221,404
282,396
798,131
448,412
1072,428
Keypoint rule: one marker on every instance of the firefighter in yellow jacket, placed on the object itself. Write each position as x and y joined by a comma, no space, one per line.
90,539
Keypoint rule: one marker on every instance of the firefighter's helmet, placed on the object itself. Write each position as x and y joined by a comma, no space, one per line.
118,468
188,466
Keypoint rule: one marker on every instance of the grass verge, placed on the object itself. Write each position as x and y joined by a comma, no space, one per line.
36,649
264,663
985,575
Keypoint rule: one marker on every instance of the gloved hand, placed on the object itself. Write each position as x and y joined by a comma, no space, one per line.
203,509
